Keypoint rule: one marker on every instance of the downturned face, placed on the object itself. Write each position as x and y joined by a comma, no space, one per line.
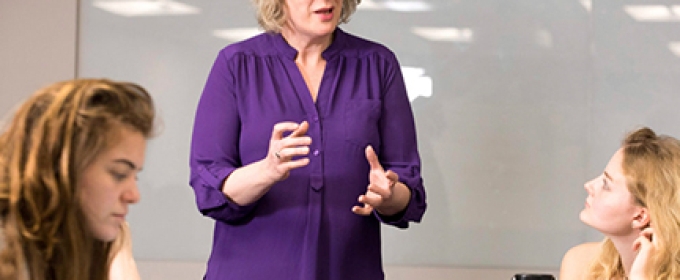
109,185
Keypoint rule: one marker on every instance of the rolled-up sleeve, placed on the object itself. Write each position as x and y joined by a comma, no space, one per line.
399,147
215,145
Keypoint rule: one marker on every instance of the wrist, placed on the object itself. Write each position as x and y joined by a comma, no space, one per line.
401,196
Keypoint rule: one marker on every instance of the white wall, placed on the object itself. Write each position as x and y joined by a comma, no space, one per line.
38,45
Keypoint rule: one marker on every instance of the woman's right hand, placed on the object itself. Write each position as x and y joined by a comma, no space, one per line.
281,158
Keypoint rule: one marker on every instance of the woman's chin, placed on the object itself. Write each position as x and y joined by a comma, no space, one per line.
583,216
107,234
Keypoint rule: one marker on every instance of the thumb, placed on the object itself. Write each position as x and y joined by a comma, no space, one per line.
394,177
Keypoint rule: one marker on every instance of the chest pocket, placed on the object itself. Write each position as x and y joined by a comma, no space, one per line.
362,122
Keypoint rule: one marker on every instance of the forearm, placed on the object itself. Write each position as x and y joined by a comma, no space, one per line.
249,183
401,196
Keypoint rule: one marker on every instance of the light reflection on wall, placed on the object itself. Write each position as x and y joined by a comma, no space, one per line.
587,4
675,48
396,6
654,13
444,34
132,8
237,34
417,83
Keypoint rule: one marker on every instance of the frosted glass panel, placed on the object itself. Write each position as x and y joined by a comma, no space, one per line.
517,103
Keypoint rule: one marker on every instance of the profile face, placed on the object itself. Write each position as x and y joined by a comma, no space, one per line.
312,18
109,185
610,207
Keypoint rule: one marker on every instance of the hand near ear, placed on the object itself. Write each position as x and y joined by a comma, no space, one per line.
646,246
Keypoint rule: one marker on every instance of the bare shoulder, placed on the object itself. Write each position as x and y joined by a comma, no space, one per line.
576,261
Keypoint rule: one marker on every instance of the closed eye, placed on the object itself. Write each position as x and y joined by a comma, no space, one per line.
118,176
604,183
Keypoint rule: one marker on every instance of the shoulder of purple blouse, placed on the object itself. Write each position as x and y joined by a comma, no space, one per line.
361,47
257,45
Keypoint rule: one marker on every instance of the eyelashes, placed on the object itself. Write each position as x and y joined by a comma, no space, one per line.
118,176
604,184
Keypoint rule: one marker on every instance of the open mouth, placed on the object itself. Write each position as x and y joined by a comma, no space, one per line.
325,11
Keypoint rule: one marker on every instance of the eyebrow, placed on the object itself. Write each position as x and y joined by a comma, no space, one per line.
128,163
608,176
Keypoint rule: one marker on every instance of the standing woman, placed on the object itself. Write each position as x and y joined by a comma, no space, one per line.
304,141
635,203
68,166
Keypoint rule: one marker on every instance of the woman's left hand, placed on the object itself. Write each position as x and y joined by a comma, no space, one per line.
646,246
384,193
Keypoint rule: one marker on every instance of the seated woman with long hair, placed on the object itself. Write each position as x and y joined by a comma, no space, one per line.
68,165
635,203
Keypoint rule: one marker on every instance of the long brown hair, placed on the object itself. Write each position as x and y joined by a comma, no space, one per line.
53,136
651,164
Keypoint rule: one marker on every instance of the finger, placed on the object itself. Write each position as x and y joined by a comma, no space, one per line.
636,244
295,141
371,198
641,243
287,153
293,164
280,128
648,233
301,130
362,210
394,177
382,191
373,159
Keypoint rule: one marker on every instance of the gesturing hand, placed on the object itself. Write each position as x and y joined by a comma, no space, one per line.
381,188
282,149
646,246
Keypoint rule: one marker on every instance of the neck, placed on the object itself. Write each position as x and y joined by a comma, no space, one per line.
309,48
624,245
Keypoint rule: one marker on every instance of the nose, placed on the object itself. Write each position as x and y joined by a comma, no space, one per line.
589,186
131,194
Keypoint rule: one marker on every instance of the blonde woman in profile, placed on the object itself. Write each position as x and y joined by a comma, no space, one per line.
68,166
635,203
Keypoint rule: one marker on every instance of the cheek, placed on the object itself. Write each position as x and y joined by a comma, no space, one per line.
94,196
604,207
611,212
88,200
85,193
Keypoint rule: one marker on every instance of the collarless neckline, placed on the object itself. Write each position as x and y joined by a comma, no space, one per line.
286,50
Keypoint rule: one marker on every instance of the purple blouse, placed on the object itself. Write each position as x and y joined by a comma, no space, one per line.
303,228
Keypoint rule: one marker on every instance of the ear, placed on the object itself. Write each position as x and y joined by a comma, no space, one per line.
641,219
